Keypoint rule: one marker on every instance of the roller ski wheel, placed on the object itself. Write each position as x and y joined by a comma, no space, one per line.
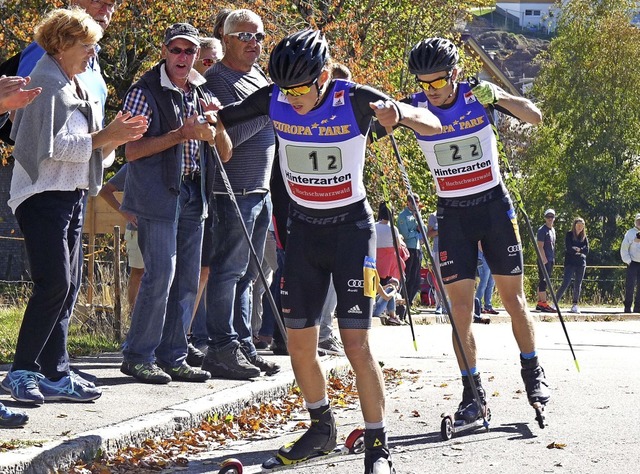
354,444
231,466
355,441
450,426
540,418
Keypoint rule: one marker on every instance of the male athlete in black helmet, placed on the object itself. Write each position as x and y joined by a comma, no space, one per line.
474,205
322,127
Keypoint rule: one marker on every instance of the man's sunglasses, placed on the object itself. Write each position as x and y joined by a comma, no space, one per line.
298,91
189,51
436,84
245,36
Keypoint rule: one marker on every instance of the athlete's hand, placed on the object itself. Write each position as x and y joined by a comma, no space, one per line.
387,112
487,93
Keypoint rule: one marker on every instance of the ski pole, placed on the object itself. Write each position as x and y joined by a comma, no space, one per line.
445,301
254,255
510,181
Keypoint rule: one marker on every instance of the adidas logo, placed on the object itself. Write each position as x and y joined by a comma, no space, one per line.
355,310
516,270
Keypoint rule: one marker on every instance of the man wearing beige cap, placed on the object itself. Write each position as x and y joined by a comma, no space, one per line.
547,244
630,253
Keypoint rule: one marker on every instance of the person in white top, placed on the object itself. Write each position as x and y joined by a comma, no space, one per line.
630,254
60,149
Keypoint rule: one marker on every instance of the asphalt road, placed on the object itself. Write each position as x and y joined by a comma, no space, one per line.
593,420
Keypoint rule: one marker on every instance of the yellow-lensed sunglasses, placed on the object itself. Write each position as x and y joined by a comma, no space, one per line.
298,91
436,84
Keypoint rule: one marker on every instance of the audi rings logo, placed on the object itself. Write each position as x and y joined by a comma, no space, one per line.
514,248
355,283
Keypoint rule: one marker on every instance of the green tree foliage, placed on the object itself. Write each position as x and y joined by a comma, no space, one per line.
583,159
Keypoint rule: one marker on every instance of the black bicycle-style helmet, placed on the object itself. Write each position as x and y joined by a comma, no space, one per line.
298,58
433,55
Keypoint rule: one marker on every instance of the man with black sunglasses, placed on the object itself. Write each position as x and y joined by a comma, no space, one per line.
165,189
474,205
231,352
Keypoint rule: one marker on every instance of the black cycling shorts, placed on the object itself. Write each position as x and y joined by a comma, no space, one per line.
494,224
313,254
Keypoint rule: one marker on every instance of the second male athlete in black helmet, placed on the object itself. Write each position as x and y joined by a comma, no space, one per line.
322,127
474,206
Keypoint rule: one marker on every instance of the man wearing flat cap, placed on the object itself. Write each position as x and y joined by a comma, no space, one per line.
630,253
166,189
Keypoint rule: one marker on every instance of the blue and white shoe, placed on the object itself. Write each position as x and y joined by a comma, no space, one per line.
24,386
68,388
12,419
77,378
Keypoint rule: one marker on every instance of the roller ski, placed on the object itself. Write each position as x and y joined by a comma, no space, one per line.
471,413
354,444
536,386
318,441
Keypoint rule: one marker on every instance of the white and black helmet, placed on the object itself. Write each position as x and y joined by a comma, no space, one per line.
298,58
433,55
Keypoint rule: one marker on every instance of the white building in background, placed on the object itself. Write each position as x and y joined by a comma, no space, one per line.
535,15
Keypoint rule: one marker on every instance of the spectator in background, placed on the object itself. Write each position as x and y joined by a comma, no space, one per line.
340,71
385,303
546,241
134,257
409,229
165,189
484,290
630,254
269,267
210,53
432,233
218,25
231,352
386,257
575,261
60,150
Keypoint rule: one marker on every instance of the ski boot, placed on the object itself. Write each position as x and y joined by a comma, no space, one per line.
318,440
377,459
470,414
536,385
469,410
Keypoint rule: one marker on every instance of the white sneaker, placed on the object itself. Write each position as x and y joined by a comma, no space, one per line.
575,309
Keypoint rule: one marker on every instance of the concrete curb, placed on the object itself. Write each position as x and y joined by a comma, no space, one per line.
57,455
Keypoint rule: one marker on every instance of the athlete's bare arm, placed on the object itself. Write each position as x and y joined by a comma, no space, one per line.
519,107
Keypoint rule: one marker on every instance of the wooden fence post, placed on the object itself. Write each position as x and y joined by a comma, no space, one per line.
117,304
